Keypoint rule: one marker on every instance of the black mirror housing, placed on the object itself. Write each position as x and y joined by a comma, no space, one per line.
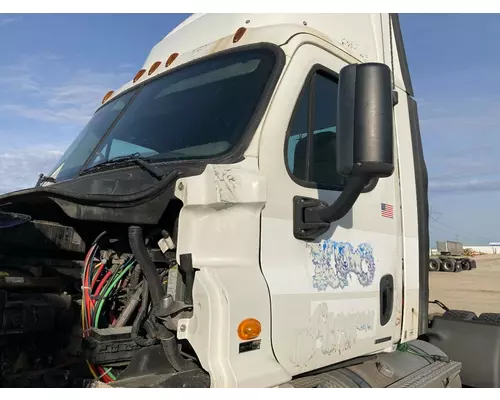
365,121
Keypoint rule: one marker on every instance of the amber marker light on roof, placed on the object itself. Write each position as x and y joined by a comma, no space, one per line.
239,34
249,329
154,67
171,59
138,75
107,96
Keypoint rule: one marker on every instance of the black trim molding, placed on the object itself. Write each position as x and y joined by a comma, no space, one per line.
403,62
421,182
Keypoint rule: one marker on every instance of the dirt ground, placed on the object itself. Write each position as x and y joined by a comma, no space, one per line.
477,290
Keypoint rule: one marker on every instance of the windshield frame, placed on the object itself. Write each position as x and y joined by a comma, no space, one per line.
235,153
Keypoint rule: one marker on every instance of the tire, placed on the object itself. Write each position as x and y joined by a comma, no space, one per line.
473,264
492,318
460,314
458,267
466,264
434,265
448,265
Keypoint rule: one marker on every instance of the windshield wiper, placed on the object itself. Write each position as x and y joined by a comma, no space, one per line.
43,178
129,158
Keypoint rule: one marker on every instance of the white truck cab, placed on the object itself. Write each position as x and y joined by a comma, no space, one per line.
321,301
290,146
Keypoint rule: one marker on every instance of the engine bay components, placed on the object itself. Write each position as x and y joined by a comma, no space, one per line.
93,329
31,313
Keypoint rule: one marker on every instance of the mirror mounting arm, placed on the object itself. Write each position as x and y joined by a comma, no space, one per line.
312,217
342,205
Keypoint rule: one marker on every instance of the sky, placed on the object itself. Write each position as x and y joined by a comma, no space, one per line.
55,69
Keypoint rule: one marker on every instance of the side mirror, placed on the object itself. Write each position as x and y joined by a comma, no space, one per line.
365,121
364,145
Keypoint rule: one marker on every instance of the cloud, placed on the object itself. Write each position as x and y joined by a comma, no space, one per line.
471,185
22,81
42,88
455,174
126,66
65,114
9,20
19,169
71,98
461,143
447,115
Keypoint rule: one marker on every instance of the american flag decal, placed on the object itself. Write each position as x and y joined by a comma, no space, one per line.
386,210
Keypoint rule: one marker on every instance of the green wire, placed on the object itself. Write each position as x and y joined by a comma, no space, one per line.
112,279
110,374
108,291
410,349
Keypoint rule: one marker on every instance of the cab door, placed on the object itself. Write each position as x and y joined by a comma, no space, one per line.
339,296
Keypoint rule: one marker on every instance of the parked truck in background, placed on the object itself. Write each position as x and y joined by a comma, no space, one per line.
250,210
450,258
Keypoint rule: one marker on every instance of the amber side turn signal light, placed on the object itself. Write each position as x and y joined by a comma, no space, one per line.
249,329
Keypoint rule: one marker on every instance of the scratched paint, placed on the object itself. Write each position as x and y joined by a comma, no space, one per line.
330,333
336,264
349,45
399,305
226,182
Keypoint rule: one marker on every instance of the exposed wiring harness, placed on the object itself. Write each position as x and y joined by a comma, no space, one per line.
100,282
112,289
411,349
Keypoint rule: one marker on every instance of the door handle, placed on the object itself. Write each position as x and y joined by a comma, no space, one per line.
386,298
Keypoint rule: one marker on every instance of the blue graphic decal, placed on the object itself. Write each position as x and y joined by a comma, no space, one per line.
336,263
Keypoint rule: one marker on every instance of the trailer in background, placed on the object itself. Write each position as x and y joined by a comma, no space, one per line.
449,248
450,258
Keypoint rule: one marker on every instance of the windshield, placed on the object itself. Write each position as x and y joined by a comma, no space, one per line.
197,112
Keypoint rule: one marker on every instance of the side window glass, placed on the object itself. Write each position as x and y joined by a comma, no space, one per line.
297,139
323,168
311,142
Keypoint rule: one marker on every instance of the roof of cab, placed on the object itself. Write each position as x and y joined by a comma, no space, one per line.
355,33
363,36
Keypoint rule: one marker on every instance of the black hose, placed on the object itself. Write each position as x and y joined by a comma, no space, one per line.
140,317
169,345
150,327
98,238
134,279
136,241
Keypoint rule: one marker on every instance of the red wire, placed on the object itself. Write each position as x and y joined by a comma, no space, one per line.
103,374
102,283
88,302
86,291
89,317
96,276
112,317
88,255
